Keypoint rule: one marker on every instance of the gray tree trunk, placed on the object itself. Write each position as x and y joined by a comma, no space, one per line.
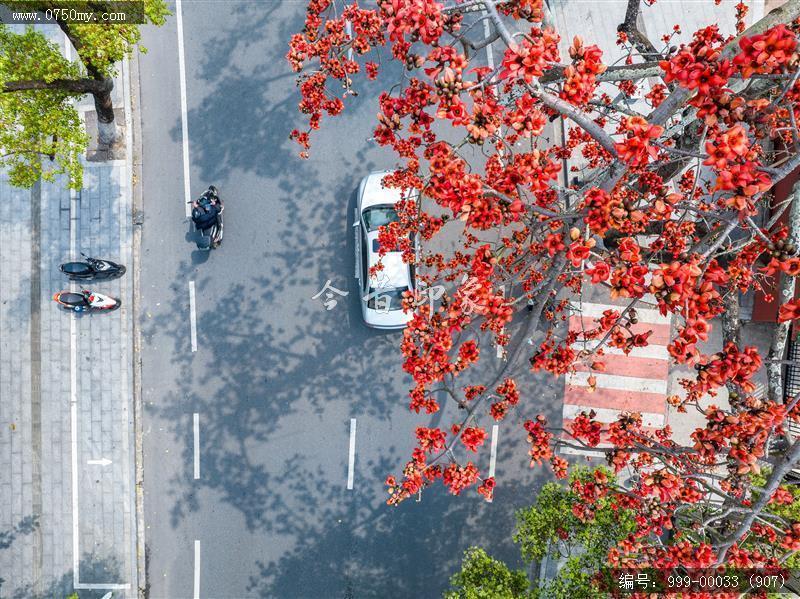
106,127
786,289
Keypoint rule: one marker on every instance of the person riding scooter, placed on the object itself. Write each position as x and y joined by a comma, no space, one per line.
206,209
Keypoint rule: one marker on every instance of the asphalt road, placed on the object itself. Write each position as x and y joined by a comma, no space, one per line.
276,379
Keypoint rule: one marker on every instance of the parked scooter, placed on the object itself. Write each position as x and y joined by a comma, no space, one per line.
86,301
92,269
207,218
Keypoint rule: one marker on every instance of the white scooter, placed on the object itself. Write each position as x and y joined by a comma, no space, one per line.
86,301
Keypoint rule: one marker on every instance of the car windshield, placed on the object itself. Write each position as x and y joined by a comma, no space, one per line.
378,216
384,299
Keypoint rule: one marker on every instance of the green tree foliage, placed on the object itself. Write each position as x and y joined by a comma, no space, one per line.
100,46
549,529
41,133
788,510
483,577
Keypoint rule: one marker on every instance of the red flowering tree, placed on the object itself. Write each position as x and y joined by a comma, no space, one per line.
688,174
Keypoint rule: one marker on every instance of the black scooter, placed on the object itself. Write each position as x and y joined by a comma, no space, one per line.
209,237
92,269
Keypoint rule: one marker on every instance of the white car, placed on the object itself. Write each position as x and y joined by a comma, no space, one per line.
381,296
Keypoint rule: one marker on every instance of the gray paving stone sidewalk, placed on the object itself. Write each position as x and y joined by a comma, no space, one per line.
66,390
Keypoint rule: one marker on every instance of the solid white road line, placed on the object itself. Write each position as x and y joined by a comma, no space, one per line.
193,316
187,196
607,415
73,417
351,459
73,396
196,593
196,445
621,383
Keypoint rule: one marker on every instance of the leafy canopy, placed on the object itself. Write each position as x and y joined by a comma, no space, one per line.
574,541
41,133
36,125
483,577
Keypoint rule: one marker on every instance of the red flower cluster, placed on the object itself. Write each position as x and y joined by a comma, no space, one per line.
767,52
526,119
457,478
580,78
636,149
473,437
430,439
697,66
539,439
532,57
789,311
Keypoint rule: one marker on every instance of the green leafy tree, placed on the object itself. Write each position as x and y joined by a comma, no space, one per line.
40,131
783,509
36,82
483,577
549,529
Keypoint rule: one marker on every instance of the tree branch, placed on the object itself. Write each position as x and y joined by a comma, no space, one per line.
639,39
75,86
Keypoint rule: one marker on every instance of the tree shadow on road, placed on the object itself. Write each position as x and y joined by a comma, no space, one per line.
280,376
356,546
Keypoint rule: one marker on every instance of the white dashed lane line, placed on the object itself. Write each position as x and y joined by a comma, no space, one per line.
351,460
493,457
493,451
193,315
196,427
196,593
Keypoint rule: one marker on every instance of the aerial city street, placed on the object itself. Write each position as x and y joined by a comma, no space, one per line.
399,299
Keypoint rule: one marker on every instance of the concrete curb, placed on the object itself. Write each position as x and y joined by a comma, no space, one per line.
136,178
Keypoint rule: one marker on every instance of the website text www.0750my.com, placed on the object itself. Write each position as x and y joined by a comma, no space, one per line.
70,15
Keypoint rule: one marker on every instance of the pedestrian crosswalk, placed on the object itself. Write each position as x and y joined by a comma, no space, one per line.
636,382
